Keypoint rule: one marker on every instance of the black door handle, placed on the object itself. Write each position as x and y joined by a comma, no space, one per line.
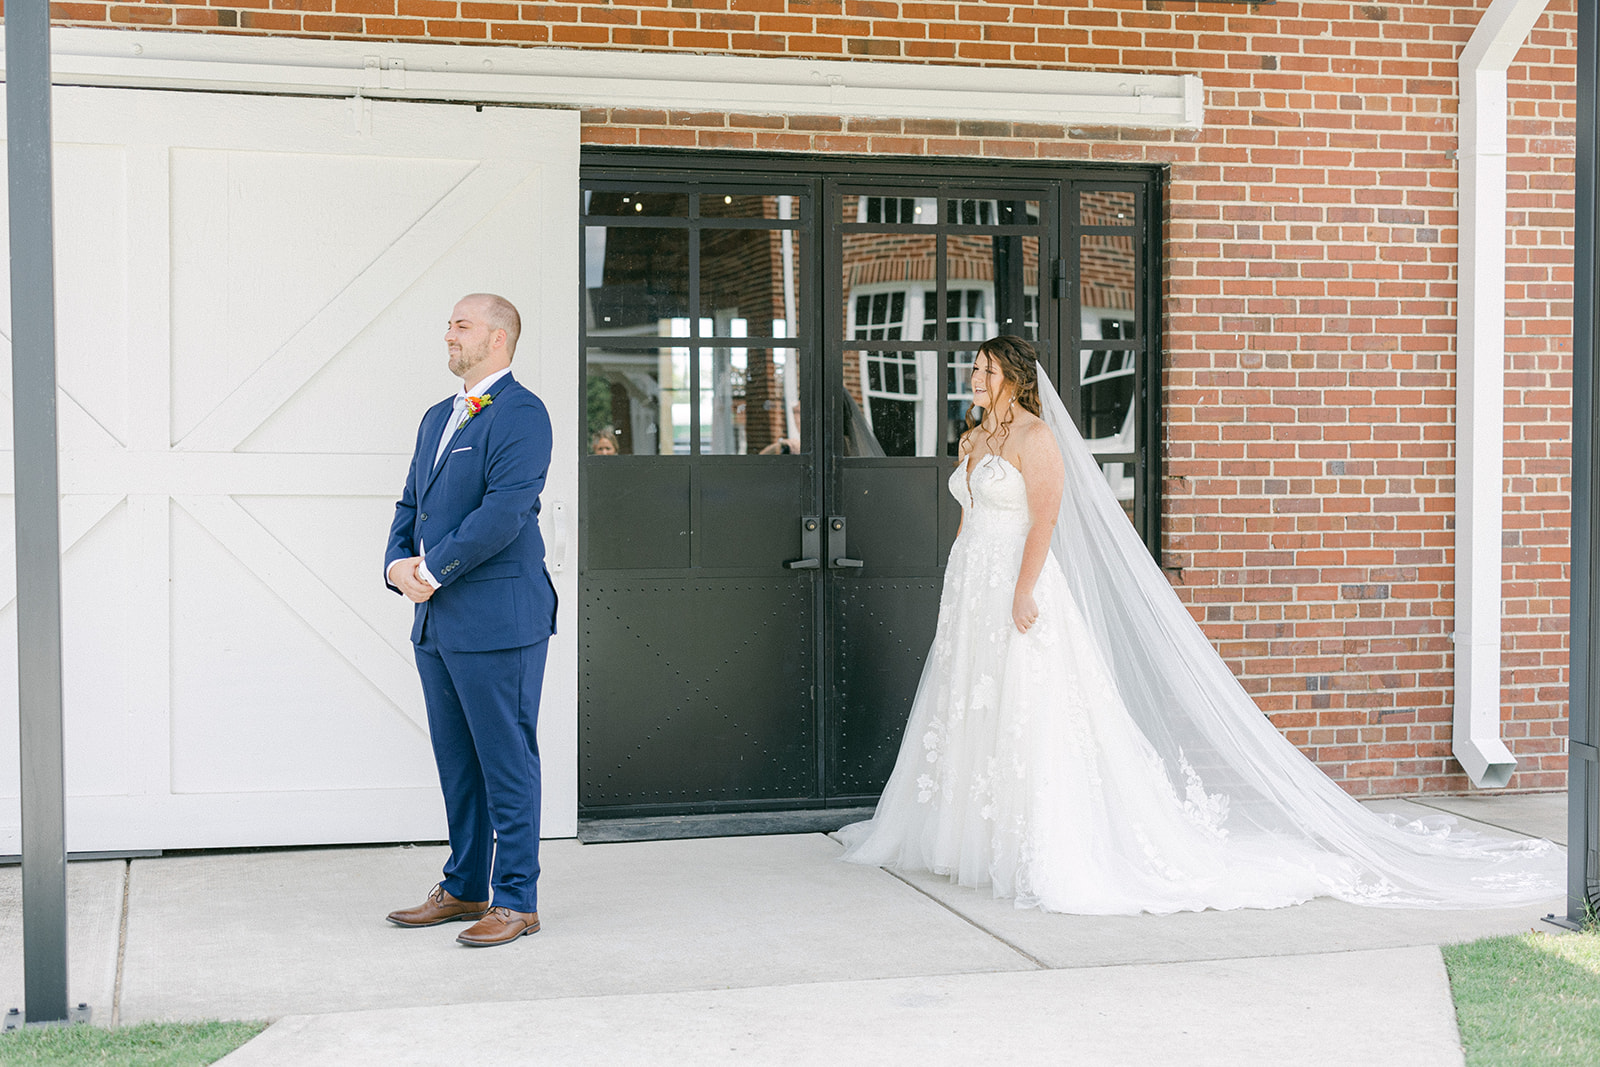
836,545
810,545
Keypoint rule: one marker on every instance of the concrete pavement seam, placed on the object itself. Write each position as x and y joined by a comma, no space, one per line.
1018,949
1468,818
122,945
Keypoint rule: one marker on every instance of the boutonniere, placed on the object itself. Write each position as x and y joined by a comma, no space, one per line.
475,404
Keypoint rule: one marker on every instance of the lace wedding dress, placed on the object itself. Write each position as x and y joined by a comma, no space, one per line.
1106,762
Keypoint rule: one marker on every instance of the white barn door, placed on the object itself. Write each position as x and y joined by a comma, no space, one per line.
252,297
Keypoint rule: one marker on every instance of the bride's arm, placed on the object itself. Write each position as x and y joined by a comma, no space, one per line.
963,453
1040,464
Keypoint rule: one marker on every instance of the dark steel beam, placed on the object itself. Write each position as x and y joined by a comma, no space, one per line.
33,377
1583,699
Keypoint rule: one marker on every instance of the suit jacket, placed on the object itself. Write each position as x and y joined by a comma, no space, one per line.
477,513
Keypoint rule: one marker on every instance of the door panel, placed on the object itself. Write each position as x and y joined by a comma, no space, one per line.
748,512
636,514
699,642
927,274
881,629
253,290
707,683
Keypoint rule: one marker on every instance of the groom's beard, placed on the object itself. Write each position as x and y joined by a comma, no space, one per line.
464,359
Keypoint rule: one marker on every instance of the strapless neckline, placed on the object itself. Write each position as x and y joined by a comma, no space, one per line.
970,466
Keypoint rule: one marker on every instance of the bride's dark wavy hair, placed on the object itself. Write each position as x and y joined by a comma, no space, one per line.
1019,365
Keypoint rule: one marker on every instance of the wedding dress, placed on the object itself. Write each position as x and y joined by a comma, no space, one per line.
1107,762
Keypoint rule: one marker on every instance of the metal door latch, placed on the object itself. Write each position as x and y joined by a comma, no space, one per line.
836,545
810,545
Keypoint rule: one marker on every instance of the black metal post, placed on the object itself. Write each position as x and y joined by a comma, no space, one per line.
1583,699
33,376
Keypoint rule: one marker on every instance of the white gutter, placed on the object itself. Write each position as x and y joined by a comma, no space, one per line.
1480,388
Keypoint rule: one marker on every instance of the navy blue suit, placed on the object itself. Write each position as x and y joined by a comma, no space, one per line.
481,638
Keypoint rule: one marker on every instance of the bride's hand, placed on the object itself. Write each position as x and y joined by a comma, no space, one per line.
1024,612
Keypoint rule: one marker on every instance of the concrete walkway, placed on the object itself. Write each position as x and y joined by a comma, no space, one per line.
753,950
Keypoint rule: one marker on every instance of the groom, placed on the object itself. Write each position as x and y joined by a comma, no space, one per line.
465,548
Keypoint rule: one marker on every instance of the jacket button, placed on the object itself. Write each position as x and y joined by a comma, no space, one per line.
424,516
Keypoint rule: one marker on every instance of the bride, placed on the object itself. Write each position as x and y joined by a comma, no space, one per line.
1076,744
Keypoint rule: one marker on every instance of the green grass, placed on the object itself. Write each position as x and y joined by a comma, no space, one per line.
145,1045
1530,999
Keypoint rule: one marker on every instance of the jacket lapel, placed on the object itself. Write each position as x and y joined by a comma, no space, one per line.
460,431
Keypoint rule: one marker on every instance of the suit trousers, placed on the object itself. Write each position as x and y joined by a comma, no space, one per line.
483,716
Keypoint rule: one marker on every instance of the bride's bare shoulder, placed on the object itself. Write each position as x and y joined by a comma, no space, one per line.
1036,445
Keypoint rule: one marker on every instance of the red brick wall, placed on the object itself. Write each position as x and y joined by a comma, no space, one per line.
1310,300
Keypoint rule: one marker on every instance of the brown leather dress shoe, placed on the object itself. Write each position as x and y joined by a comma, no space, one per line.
440,907
498,927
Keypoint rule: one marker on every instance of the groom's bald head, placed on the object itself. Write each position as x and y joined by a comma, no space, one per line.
498,314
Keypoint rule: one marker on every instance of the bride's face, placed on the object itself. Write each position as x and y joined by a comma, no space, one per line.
989,386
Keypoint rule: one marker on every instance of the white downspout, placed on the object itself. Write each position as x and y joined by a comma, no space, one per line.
1480,388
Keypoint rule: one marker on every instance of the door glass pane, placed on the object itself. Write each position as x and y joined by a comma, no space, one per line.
1106,207
888,403
958,397
749,402
1021,318
636,204
1107,286
1108,378
635,277
743,283
638,401
891,210
969,264
1120,476
980,211
885,276
735,205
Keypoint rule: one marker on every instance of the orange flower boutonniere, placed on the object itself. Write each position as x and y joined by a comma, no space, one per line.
475,404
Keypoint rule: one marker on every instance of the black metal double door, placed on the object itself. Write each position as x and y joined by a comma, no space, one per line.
766,517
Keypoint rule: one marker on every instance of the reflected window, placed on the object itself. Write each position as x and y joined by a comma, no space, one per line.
971,212
897,210
1124,485
968,314
638,401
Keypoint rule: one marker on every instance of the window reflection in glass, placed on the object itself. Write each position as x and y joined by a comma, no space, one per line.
1107,283
958,397
968,211
892,210
635,276
772,403
749,402
888,400
736,205
742,276
638,401
1108,377
1107,207
632,204
1123,482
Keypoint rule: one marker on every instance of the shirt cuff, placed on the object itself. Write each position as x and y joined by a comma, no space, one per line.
426,575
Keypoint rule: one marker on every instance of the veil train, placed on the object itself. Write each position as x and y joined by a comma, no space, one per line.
1206,729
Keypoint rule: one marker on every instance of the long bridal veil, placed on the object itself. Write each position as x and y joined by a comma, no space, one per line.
1217,744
